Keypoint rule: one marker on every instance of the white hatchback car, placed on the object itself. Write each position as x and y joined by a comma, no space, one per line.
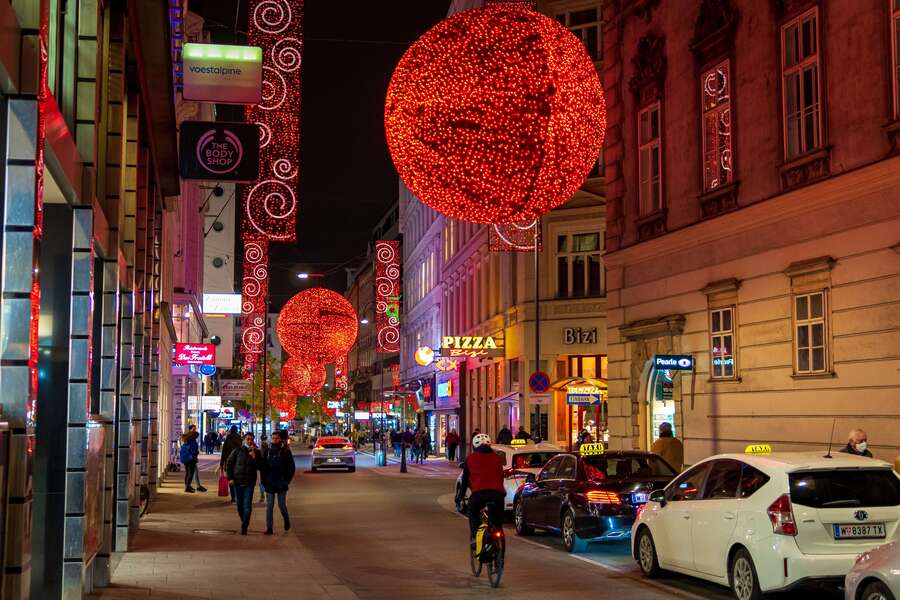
518,462
763,523
876,575
333,453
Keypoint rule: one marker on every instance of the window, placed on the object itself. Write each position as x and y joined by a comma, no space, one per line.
723,481
566,468
752,480
721,331
809,317
843,489
649,163
801,85
549,470
579,272
688,486
717,146
585,24
895,54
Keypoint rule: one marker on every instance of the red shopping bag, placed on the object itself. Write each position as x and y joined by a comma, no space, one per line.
223,485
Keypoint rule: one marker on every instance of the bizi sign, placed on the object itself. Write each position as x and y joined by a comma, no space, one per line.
214,150
195,354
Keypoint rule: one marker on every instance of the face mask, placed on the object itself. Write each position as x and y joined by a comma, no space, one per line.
861,447
246,444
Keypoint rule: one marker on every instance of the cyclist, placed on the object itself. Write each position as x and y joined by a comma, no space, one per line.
483,473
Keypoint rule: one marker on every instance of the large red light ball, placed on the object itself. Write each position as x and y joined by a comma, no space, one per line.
303,379
317,325
495,115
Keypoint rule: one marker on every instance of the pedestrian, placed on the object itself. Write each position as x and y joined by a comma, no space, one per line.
858,444
475,432
452,442
196,435
395,442
504,436
188,456
264,448
210,440
669,447
231,443
278,478
522,434
407,440
426,447
421,452
241,469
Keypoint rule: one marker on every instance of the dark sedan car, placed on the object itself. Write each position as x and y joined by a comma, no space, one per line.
589,497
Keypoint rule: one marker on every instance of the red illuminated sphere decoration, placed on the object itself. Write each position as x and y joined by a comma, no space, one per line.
302,378
495,115
317,325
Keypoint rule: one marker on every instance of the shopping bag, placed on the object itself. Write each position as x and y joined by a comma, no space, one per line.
223,485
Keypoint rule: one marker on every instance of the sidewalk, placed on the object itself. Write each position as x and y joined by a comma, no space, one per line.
433,466
188,548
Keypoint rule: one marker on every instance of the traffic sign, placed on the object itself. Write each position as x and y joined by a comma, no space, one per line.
539,382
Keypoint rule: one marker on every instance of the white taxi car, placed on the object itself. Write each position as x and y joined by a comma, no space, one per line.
333,453
761,523
518,461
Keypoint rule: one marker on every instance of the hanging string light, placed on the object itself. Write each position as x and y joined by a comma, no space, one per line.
495,115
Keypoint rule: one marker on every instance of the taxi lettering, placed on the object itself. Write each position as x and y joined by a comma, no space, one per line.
758,449
593,449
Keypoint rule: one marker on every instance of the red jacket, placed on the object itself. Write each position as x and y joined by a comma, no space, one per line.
485,471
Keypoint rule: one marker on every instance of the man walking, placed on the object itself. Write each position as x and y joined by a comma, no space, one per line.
241,469
232,442
522,434
452,443
278,478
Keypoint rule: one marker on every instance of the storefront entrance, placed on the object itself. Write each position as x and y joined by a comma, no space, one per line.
662,393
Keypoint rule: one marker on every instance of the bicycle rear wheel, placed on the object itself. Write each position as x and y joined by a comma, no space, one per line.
475,564
495,569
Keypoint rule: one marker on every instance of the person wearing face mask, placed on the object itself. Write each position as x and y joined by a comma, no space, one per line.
241,469
858,444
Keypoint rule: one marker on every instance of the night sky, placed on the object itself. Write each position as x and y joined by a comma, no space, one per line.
347,179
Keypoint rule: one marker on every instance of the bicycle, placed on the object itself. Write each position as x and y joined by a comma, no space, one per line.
145,499
493,551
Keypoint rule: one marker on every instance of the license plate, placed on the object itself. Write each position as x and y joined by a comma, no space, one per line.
640,497
334,460
867,530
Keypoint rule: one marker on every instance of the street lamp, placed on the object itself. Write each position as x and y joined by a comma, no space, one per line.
303,275
363,321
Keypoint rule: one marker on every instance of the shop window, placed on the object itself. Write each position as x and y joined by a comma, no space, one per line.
721,330
590,366
895,55
579,269
650,159
801,84
717,145
585,24
810,340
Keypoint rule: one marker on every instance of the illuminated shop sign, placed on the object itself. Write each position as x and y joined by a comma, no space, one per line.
196,403
333,404
583,394
222,73
221,304
471,346
676,362
445,364
195,354
579,335
227,413
445,390
424,356
214,150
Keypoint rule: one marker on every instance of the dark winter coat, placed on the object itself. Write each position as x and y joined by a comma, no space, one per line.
504,436
232,442
189,449
281,468
241,468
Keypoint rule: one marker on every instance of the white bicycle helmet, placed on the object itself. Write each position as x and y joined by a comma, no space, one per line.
481,438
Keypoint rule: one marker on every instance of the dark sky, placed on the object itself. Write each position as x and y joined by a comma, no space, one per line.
347,179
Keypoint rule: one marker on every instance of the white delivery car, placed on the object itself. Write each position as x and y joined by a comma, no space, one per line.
768,522
518,461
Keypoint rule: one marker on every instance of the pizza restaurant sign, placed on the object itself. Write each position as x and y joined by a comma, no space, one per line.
195,354
471,346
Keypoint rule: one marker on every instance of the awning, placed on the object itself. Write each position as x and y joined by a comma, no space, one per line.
510,398
562,384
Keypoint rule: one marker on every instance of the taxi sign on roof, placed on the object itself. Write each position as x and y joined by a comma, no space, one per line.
594,449
518,442
758,449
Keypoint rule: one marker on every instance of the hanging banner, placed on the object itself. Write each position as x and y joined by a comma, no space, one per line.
387,295
254,288
212,150
222,73
195,354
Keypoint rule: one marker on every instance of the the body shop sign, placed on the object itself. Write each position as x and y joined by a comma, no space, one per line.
195,354
219,151
221,73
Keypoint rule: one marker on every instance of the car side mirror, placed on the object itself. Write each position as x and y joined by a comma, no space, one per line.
530,478
658,496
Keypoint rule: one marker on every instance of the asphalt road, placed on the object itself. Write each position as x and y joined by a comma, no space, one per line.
386,535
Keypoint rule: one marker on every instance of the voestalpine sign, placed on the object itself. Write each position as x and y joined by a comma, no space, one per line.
219,151
471,346
220,73
195,354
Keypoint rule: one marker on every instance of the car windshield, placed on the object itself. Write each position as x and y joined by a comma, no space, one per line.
532,460
842,489
620,467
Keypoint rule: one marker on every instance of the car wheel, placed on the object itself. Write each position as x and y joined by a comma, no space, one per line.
646,554
876,591
744,582
351,469
522,527
571,541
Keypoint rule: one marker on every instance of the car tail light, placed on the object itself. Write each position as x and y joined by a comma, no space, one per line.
348,447
782,516
640,509
603,496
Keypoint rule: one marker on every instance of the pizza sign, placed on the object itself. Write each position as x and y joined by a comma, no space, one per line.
195,354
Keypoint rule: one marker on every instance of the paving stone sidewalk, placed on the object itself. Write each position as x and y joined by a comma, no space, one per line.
188,548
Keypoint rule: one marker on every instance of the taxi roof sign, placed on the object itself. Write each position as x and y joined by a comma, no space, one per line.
518,442
594,449
758,449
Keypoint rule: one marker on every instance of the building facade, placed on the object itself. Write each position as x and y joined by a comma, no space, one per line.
753,222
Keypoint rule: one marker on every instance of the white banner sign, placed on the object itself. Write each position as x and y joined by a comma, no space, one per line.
234,388
221,304
198,403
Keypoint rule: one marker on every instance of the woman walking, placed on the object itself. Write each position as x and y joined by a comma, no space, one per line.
188,455
241,469
278,477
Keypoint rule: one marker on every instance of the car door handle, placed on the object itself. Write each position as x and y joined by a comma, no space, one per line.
728,516
685,516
